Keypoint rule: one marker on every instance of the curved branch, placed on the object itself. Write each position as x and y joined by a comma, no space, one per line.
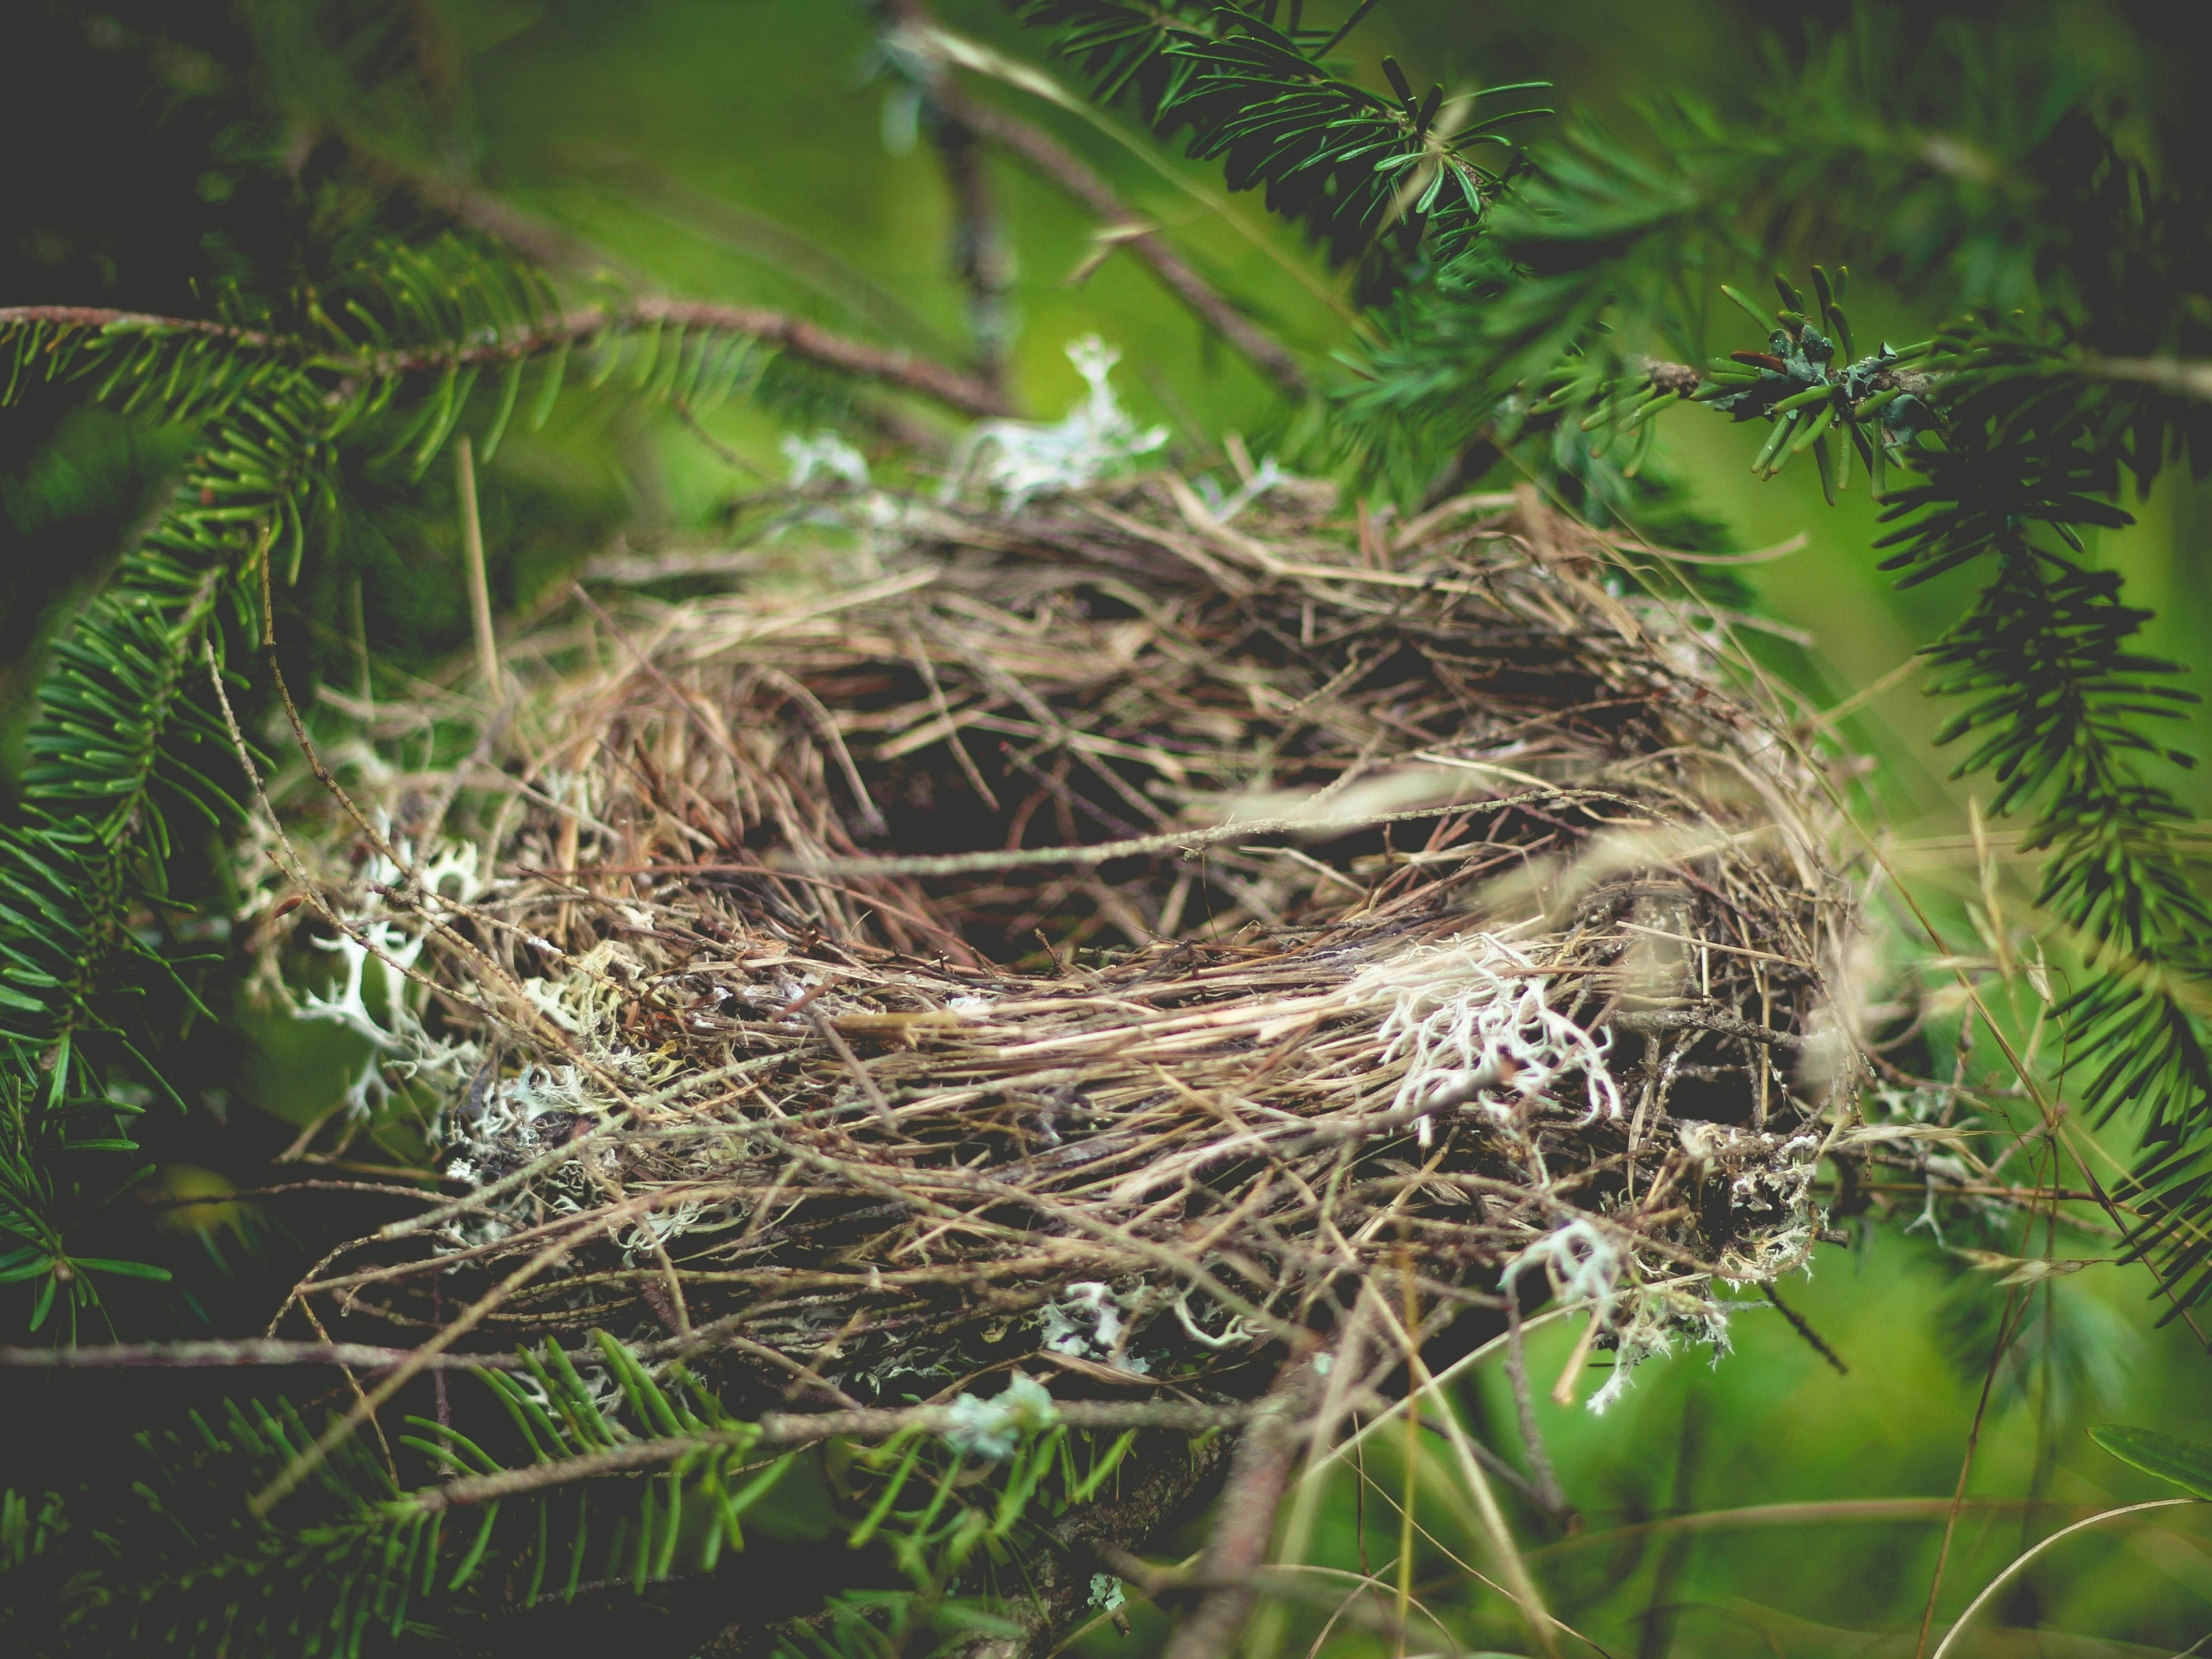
782,1429
103,317
889,365
1033,145
1260,1470
795,335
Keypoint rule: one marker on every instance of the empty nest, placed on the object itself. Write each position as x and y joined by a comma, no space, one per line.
1097,936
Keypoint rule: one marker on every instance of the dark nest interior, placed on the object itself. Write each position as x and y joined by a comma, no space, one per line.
1121,940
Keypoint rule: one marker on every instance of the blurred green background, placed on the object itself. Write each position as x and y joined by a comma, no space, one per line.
751,151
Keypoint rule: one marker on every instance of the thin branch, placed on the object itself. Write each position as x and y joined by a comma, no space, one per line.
556,248
1244,1523
783,1430
1813,1338
1175,842
1549,1495
1042,151
2176,375
103,317
890,366
1693,1019
201,1356
1039,149
982,256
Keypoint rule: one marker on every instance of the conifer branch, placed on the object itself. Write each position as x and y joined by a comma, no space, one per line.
158,1550
780,1431
802,339
1378,181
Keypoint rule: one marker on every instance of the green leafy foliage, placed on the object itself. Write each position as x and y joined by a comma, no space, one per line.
2185,1463
574,1472
126,748
1378,181
352,1561
1973,171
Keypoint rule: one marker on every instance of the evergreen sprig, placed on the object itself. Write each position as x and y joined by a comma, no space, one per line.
121,741
1957,164
1380,182
384,368
353,1561
2056,694
561,1477
2004,433
1950,161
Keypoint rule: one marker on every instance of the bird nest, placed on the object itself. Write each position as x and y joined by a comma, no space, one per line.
1122,934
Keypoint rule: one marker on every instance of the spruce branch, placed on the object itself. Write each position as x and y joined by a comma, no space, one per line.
2020,432
120,735
561,1483
1379,181
805,340
779,1430
117,742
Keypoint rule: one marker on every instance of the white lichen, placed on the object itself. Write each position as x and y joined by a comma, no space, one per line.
1580,1262
991,1429
392,936
1019,460
1089,1320
824,455
1472,1014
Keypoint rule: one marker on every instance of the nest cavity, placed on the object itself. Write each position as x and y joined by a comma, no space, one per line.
1116,935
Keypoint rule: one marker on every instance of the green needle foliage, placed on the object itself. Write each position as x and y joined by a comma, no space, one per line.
1538,310
1407,191
1378,181
373,378
1522,307
2017,448
569,1479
